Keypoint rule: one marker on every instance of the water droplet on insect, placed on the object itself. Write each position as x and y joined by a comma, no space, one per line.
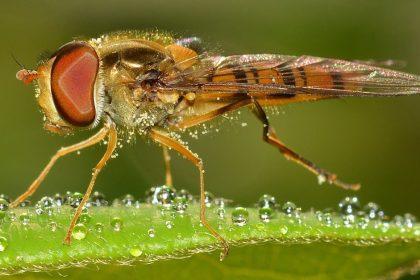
98,199
4,204
24,219
161,196
151,232
349,205
265,214
373,211
99,227
79,232
180,204
169,224
321,179
4,243
267,201
240,216
288,208
116,224
135,251
208,199
128,200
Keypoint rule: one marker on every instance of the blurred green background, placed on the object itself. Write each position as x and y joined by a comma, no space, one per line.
371,141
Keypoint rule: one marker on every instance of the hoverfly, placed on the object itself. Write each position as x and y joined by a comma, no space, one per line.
155,84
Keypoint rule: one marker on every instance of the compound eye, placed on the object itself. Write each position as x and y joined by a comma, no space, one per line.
73,77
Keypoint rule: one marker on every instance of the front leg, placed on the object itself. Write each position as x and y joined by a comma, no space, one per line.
112,144
166,141
60,153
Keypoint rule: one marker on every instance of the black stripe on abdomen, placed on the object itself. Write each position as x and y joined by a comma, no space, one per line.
288,76
337,81
240,76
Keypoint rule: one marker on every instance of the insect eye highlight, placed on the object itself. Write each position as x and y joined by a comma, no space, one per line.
73,77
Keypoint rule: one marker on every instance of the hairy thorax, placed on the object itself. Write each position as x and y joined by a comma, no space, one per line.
132,98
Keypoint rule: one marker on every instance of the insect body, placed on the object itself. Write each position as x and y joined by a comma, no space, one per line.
154,84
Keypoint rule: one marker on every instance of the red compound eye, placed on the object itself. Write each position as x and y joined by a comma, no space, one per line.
73,77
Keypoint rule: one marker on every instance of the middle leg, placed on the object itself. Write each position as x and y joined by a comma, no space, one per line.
167,161
161,138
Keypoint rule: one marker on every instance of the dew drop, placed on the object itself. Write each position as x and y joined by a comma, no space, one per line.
53,226
116,224
135,251
327,217
169,224
348,220
45,206
84,218
161,196
208,199
5,197
240,216
373,211
180,204
362,222
4,243
283,230
222,202
398,220
288,208
221,213
25,203
75,199
4,204
266,214
267,201
24,219
151,232
79,231
184,194
409,220
99,227
128,200
98,199
12,216
349,205
59,200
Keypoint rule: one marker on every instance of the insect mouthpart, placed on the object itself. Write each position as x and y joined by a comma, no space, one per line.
26,76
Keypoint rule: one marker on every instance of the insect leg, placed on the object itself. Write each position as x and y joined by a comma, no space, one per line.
61,152
270,137
167,160
112,143
161,138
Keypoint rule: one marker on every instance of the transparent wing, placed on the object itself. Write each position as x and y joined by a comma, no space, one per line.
278,75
